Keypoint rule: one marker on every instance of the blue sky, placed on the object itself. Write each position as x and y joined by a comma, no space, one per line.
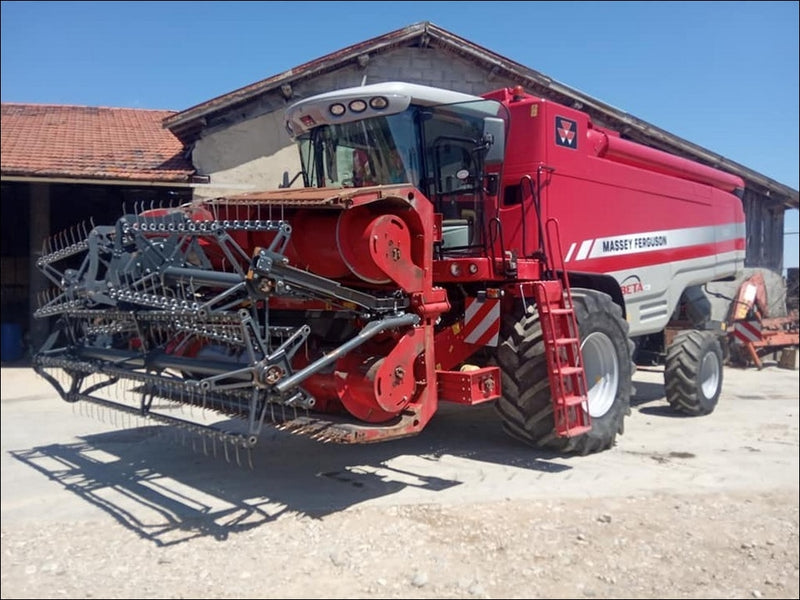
723,75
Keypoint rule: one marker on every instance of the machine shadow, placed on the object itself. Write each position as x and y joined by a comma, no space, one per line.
647,392
168,487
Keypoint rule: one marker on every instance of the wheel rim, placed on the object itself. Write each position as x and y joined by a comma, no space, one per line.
709,375
602,372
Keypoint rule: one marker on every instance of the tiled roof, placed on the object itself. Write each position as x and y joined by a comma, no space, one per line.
43,140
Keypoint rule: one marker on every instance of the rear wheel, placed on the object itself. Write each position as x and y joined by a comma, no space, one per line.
526,408
693,372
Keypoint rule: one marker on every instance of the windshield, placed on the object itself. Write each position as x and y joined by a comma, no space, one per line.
376,151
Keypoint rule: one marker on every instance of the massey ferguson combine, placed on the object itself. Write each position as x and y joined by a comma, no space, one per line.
444,248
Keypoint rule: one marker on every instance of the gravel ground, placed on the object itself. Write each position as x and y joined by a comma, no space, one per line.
706,546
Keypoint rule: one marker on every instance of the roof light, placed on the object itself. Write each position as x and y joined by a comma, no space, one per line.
358,106
308,120
378,102
337,110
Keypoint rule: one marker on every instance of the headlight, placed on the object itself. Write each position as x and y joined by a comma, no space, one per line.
378,102
358,106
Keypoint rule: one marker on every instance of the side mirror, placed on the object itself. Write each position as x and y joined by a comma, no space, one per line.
494,137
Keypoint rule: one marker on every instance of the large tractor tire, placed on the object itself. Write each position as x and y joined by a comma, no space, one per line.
693,372
526,407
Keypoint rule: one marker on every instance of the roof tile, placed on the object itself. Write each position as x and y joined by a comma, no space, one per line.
45,140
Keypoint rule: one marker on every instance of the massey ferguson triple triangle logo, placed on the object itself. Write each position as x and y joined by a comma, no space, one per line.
566,133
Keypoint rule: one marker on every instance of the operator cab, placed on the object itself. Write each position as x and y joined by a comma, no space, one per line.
447,144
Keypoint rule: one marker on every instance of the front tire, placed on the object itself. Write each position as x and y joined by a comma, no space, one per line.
693,372
526,408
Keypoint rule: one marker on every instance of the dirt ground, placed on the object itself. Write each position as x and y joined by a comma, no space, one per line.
679,508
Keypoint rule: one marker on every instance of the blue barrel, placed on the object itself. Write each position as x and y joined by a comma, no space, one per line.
11,341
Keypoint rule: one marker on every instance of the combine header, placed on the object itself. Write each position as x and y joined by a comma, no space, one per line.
422,262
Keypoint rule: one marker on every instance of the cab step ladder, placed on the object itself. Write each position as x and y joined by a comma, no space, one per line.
562,343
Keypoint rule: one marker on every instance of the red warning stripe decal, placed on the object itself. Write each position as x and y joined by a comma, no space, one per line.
482,321
747,331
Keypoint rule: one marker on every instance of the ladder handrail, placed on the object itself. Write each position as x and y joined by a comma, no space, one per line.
553,231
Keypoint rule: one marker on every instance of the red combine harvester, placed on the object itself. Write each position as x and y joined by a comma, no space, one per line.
444,248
